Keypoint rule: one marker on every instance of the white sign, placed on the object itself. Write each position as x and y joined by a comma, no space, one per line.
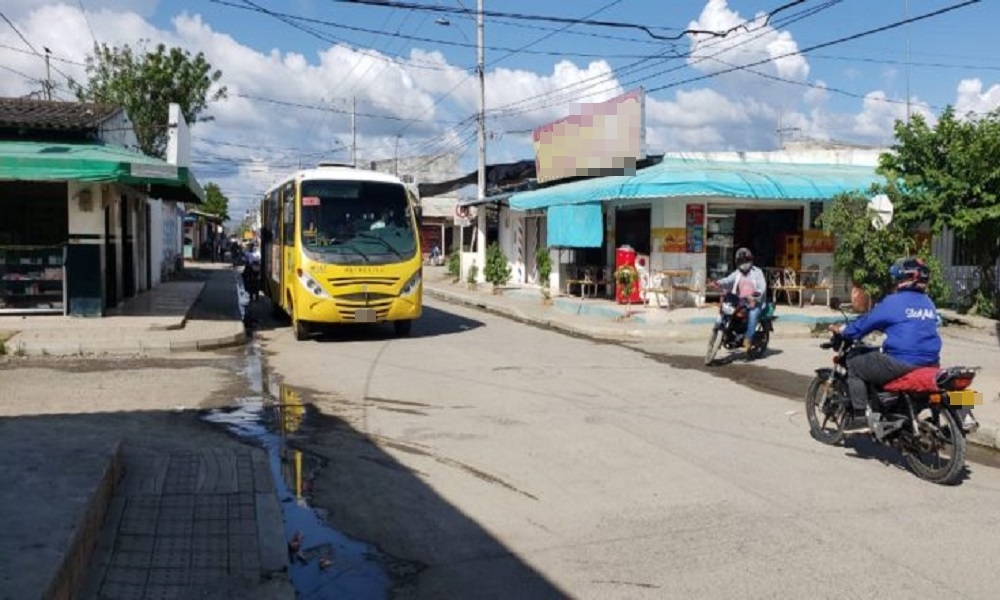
883,211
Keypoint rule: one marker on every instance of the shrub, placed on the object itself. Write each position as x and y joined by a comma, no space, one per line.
497,270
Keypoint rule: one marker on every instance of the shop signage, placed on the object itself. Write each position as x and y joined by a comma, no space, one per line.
606,138
670,239
817,241
695,228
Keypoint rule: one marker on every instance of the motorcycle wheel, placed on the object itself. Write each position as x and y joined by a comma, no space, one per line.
924,457
760,342
714,343
823,409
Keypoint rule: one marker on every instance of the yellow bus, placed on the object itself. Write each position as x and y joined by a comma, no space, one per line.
342,245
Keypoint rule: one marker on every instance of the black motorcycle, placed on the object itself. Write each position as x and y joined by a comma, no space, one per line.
925,415
730,329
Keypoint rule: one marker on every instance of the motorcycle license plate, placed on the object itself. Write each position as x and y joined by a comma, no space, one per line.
364,315
965,398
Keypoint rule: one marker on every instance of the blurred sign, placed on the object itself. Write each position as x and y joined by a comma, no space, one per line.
606,138
817,241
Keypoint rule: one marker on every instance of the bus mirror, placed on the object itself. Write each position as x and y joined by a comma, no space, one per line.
418,211
265,235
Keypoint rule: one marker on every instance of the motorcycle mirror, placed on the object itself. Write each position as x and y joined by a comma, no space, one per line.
835,303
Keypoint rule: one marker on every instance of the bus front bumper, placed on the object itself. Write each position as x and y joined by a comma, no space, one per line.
326,310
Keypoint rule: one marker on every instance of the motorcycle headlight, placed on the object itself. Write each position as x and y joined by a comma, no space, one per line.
312,285
411,285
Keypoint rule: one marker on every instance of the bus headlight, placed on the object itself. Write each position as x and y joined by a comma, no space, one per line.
312,285
411,285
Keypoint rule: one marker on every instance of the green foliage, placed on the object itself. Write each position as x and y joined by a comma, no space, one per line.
947,176
473,274
544,263
497,270
144,83
865,253
216,203
455,265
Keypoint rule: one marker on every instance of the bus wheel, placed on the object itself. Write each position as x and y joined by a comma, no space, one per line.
300,329
402,328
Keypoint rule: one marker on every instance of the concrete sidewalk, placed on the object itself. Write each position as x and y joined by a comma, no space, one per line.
198,312
968,340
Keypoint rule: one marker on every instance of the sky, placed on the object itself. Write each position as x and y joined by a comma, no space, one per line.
294,68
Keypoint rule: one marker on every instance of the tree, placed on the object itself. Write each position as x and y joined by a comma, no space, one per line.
947,176
145,84
865,252
216,203
497,270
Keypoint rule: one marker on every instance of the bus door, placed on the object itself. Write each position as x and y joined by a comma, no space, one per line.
288,261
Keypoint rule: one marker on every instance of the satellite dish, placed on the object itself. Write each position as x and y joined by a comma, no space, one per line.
883,211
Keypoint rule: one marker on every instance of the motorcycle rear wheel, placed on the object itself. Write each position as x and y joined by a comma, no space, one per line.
760,341
824,409
714,343
926,461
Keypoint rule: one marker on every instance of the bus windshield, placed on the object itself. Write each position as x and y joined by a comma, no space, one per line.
351,222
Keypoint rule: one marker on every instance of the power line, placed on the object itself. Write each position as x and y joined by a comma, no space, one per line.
835,42
568,93
329,109
87,20
647,29
431,66
397,34
19,34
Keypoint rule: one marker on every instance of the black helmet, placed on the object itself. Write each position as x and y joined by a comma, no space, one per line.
910,273
744,258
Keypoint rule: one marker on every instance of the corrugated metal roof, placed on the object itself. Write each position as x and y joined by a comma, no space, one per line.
51,114
680,177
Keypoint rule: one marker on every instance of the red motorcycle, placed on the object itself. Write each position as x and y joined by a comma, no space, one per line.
925,415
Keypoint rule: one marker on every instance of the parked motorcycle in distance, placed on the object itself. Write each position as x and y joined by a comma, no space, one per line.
923,414
730,329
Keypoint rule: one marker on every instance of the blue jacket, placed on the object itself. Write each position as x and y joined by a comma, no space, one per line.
909,320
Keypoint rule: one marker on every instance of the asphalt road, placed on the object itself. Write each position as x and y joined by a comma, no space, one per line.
493,459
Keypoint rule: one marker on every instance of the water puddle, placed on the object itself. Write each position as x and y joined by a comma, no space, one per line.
323,562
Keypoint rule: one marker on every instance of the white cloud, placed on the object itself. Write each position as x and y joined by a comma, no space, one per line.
972,98
15,9
747,45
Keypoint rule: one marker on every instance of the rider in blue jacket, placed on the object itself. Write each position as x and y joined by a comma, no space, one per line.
909,319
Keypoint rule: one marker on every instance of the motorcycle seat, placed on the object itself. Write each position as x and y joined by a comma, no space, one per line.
922,379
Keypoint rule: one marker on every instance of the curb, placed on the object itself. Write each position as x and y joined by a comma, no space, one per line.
72,571
987,437
689,334
16,347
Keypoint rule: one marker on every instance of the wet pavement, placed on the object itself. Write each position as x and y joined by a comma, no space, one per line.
324,563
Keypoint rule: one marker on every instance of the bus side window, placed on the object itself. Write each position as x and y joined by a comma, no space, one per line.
288,219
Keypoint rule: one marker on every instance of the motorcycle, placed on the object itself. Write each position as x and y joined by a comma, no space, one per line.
251,279
730,329
922,414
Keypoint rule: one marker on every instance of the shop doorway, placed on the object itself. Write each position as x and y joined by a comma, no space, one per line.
633,228
774,236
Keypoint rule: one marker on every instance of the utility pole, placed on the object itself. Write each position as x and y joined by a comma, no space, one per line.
397,154
48,76
354,131
481,191
481,68
906,10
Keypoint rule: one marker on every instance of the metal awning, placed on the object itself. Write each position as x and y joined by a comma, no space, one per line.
676,177
97,163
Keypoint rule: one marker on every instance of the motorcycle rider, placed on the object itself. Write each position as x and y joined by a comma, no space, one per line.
749,284
909,319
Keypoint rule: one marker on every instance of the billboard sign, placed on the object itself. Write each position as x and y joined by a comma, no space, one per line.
606,138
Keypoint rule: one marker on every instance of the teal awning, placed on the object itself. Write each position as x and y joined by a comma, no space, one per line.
675,177
97,163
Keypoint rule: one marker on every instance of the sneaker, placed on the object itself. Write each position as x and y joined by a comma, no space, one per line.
746,345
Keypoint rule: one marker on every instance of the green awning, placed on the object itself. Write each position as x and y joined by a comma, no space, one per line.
96,163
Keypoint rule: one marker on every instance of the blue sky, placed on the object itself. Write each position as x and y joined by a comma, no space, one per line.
426,90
